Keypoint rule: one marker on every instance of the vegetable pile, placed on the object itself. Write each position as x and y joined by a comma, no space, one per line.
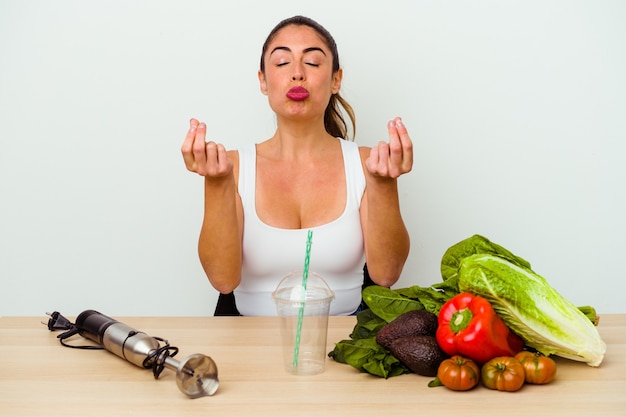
489,307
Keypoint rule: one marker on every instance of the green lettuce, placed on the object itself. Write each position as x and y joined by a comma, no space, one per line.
451,259
531,308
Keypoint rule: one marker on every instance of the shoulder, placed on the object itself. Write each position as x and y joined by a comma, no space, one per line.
354,149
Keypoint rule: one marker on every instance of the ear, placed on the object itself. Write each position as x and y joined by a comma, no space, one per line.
337,81
262,83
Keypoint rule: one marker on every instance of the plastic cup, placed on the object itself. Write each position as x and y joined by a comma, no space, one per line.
303,322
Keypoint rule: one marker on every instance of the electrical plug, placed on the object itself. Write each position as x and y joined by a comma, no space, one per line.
58,322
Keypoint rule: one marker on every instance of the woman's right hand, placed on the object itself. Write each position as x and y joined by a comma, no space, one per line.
208,159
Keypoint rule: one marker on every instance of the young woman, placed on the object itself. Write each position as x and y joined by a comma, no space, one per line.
261,200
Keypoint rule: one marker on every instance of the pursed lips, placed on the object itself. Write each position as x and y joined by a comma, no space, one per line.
298,93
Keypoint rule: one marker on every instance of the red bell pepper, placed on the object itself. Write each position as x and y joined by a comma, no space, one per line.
469,326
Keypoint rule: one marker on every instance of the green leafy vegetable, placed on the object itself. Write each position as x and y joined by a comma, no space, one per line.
387,303
451,260
366,356
532,308
367,325
430,299
363,353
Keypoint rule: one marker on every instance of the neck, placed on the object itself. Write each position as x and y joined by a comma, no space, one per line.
296,140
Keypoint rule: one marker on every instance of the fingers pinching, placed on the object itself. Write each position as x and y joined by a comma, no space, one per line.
206,158
394,158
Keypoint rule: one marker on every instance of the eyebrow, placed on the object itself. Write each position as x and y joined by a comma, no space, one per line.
306,50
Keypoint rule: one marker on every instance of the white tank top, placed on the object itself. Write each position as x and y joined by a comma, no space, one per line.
270,253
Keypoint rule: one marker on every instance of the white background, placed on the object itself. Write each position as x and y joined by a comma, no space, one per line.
517,110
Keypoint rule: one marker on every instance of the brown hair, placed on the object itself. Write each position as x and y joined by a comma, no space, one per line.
334,120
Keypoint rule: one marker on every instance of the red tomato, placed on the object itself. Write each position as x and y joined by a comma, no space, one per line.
504,373
458,373
538,369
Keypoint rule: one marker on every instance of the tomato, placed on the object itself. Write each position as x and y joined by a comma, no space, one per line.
458,373
538,369
504,373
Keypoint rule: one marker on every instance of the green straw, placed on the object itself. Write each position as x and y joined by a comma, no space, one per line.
305,277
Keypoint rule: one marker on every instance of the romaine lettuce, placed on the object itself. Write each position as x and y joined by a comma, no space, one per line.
532,308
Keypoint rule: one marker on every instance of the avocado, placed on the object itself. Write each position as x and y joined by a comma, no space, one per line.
412,323
421,354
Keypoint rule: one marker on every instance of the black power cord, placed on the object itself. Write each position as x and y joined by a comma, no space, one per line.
156,358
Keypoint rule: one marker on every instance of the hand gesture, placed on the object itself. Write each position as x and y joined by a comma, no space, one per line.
394,158
208,159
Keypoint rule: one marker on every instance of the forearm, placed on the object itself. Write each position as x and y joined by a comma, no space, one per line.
387,239
219,246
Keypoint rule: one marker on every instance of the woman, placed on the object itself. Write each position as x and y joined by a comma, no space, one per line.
261,200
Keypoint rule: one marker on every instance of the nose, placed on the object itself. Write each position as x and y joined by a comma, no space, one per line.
298,73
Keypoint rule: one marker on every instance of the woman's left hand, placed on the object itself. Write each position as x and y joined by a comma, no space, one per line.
394,158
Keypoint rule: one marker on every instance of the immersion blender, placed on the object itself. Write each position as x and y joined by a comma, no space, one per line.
196,375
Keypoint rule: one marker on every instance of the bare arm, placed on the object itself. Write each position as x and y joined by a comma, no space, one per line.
219,246
386,237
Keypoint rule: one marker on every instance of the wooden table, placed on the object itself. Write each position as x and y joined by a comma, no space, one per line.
39,377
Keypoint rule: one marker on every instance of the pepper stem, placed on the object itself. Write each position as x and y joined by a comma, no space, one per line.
460,319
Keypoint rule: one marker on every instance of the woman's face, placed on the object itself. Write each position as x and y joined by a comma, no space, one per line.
298,78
